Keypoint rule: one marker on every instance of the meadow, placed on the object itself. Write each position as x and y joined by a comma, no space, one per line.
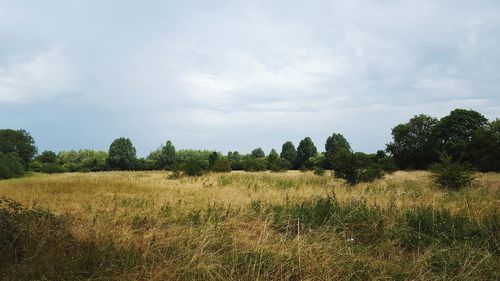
247,226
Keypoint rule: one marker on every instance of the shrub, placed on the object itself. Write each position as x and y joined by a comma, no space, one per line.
319,171
451,174
355,167
193,167
222,165
11,166
255,164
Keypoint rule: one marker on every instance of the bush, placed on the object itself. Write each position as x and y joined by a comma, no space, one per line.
255,164
222,165
11,166
355,167
193,167
319,171
451,174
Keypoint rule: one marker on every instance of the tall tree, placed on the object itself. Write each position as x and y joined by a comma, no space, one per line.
289,153
19,142
122,154
305,150
334,144
454,132
484,150
167,156
413,145
258,153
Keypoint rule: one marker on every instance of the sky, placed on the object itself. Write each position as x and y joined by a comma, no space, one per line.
236,75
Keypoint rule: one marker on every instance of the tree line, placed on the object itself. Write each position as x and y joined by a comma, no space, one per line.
464,135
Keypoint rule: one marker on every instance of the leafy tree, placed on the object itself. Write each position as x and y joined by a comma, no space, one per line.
167,156
122,154
47,157
212,159
236,160
454,132
85,160
193,167
413,145
258,153
47,162
222,165
275,163
253,164
11,165
484,150
305,150
289,153
19,142
334,143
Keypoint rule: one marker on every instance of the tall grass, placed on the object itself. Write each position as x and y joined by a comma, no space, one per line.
246,226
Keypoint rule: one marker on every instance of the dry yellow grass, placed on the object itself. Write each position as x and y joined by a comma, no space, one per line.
206,228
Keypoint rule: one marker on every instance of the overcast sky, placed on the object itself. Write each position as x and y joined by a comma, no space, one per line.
236,75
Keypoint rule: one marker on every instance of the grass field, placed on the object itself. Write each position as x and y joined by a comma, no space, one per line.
246,226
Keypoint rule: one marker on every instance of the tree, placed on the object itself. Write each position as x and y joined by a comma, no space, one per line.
451,174
355,167
212,159
235,159
275,163
289,153
19,142
167,156
484,150
413,145
258,153
11,165
334,143
222,165
305,150
122,154
454,132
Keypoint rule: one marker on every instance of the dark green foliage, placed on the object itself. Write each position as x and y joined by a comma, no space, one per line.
252,164
167,156
413,145
305,151
47,162
222,165
236,160
454,132
355,167
19,142
212,159
319,171
289,153
258,153
484,149
451,174
11,166
84,160
194,167
142,164
275,163
335,143
122,155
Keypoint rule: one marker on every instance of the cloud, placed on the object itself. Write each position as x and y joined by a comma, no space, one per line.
238,74
44,76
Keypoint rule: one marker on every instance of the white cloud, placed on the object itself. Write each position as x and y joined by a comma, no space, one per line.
44,76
